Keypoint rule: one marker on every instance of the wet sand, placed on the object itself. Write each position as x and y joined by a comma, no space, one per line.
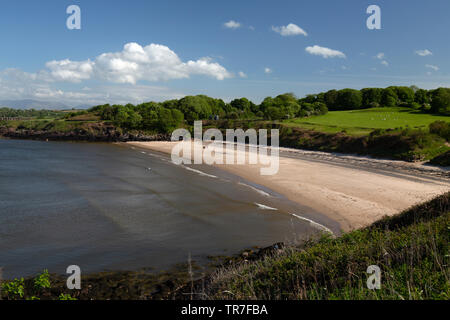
353,191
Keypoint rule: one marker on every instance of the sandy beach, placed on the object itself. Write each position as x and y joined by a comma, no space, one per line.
353,191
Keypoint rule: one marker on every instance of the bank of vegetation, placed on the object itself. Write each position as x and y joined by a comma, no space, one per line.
405,123
411,249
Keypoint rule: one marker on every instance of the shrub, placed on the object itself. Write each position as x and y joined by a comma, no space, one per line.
14,289
42,281
441,128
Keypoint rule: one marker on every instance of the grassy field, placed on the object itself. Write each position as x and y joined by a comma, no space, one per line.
361,122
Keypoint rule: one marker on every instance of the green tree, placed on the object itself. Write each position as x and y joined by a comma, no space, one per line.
349,99
421,96
405,94
389,98
330,98
440,100
371,97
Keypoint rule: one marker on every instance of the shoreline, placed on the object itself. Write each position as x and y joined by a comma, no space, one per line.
352,196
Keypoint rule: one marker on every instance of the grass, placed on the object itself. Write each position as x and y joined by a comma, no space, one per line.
361,122
412,250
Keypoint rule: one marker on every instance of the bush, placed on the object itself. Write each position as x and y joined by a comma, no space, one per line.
42,281
441,128
14,289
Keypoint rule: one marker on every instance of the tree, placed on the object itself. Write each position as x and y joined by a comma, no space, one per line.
169,119
283,106
371,96
440,101
404,94
134,120
330,99
421,96
349,99
389,98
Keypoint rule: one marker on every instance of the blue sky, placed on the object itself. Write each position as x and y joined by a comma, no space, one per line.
194,52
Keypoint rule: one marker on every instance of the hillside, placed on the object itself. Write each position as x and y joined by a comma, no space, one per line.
411,250
359,122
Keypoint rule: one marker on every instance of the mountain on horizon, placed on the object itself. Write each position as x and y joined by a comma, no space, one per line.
36,104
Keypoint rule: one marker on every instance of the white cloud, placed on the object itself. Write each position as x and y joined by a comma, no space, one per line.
381,56
424,52
435,68
127,67
325,52
73,71
232,24
17,85
206,67
290,30
154,62
242,74
267,70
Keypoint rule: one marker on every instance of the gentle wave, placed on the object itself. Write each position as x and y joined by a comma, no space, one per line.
256,189
200,172
263,207
313,223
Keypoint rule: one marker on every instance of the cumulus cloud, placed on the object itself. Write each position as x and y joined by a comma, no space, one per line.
385,63
154,62
267,70
430,66
290,30
380,56
232,24
17,85
127,67
73,71
424,52
325,52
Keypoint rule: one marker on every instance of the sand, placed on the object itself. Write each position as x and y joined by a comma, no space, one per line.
353,191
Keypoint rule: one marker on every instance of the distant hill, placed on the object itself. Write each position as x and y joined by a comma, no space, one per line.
34,104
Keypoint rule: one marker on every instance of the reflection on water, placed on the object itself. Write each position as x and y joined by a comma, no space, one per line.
109,207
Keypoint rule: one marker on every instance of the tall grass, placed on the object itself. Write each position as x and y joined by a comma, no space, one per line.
411,249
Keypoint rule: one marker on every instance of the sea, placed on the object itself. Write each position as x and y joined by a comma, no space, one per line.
108,207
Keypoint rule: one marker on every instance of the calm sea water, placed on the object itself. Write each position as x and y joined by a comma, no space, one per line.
114,207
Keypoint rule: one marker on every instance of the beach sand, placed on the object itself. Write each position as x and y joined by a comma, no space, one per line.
352,194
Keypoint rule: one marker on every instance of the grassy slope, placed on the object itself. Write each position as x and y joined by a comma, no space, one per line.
360,122
411,249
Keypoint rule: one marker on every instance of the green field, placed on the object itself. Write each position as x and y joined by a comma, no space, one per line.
360,122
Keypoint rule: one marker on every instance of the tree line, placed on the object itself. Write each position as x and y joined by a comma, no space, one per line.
31,113
170,114
430,101
167,115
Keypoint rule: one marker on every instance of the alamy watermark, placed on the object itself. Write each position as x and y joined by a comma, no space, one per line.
210,148
74,280
374,20
73,22
374,280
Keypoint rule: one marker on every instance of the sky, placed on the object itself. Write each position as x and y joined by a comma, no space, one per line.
135,51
